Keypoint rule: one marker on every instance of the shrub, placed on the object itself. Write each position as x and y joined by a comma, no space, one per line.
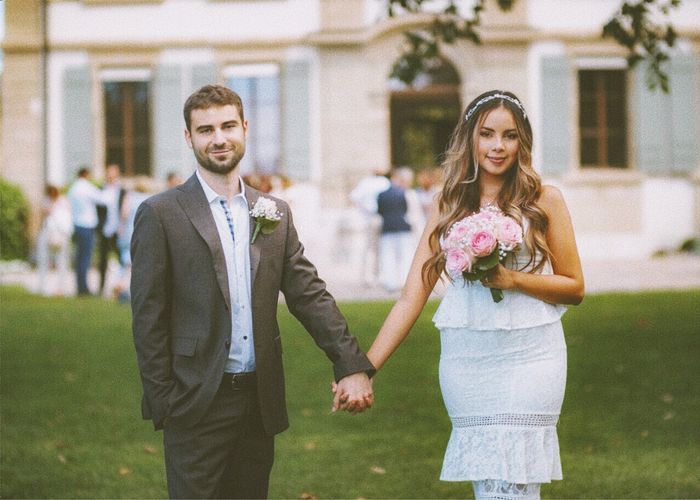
14,222
690,245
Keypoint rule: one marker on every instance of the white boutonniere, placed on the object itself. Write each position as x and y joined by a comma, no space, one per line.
266,216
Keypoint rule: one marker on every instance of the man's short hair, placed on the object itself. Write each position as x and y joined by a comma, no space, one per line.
211,95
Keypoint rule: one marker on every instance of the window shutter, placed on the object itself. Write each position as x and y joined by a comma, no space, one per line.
168,124
203,74
651,124
557,118
78,126
684,112
296,116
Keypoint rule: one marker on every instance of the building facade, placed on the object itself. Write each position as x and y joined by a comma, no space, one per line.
86,82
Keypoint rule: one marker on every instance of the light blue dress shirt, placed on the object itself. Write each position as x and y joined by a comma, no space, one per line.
241,356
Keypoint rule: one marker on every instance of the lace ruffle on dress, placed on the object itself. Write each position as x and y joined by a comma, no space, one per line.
502,375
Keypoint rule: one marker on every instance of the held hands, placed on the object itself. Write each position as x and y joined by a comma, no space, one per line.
353,393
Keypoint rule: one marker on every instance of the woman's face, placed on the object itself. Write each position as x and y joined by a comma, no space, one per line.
497,142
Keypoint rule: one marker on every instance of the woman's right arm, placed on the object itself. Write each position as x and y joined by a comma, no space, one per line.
413,297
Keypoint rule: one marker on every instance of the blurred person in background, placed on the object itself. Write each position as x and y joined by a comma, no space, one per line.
84,198
173,179
54,239
261,182
414,211
396,244
108,219
427,180
364,197
132,200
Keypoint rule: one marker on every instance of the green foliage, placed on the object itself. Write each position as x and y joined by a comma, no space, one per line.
690,245
629,426
14,221
634,26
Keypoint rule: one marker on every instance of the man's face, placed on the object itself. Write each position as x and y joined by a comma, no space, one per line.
217,138
112,174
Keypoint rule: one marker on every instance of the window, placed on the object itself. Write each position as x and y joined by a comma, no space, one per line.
259,88
127,123
603,118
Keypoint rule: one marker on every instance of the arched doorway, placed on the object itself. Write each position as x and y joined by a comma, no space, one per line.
423,116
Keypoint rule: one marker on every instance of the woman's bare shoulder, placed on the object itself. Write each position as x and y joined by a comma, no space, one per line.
551,198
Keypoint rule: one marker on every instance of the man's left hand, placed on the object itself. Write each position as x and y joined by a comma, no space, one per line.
353,393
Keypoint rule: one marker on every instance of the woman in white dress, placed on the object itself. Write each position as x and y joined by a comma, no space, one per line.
502,365
54,241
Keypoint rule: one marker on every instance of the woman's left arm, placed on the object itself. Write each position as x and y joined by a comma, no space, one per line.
565,286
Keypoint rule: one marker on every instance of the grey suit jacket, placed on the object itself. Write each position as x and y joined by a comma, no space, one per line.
181,308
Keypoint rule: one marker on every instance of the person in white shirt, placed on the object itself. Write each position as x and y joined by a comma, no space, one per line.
364,196
84,197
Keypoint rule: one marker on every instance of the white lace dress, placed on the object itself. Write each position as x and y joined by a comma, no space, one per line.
502,375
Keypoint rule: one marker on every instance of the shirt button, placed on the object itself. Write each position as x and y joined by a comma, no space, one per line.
245,337
227,344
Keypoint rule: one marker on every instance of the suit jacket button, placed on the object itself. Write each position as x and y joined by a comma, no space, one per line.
227,344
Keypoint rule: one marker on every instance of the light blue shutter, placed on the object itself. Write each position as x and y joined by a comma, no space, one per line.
203,74
168,123
556,115
651,125
296,121
244,87
78,126
684,113
666,125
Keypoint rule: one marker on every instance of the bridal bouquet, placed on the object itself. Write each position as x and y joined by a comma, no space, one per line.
476,244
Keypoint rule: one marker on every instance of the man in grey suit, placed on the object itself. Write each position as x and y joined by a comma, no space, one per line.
205,287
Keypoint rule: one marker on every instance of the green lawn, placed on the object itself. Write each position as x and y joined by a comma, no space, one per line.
630,427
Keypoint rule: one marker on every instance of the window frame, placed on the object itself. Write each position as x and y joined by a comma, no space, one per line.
125,75
617,64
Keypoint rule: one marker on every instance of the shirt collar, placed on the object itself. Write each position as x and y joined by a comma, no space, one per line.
213,195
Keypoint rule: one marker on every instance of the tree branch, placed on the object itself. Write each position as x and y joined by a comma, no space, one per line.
633,27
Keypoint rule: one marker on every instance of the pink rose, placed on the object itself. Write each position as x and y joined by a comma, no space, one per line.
459,230
457,261
509,233
483,242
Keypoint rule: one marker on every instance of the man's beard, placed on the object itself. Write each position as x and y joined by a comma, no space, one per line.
221,168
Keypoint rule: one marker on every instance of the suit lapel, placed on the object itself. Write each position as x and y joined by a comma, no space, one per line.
252,196
194,203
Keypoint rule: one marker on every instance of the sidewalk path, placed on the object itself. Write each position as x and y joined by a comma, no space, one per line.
675,272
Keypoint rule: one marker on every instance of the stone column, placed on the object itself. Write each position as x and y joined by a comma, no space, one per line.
23,103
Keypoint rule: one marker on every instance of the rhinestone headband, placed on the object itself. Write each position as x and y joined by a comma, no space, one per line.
492,97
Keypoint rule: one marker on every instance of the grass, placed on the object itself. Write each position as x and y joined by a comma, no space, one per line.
71,425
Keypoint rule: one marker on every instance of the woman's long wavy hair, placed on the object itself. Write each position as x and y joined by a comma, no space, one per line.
461,193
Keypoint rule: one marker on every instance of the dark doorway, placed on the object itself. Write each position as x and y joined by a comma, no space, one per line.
424,116
127,126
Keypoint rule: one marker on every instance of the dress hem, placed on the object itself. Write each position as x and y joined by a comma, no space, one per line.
480,478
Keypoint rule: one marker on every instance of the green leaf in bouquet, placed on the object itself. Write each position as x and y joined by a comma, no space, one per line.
488,262
496,294
475,275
